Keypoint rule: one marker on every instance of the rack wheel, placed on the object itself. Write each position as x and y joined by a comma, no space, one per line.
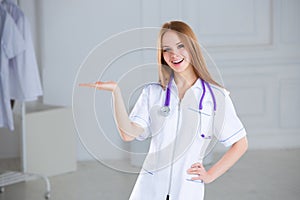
2,189
47,195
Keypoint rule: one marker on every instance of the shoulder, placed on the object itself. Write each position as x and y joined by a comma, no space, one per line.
149,89
220,91
153,86
222,95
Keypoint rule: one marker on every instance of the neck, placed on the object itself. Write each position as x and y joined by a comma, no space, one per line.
185,80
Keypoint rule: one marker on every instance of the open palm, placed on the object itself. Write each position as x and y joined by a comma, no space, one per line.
109,85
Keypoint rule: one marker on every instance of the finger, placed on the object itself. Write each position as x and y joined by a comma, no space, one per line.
196,178
194,171
196,165
200,165
93,85
191,171
87,85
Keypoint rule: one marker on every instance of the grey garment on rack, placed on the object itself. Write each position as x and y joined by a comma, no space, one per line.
25,84
12,44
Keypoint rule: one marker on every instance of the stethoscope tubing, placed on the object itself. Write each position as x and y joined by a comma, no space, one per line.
203,83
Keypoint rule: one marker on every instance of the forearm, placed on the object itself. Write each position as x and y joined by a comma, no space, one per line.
229,158
128,130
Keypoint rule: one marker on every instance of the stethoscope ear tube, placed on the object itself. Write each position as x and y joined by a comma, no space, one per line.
165,110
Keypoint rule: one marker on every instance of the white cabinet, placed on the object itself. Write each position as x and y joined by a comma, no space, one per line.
50,142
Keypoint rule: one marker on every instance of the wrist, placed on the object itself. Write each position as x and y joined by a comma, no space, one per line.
212,176
116,90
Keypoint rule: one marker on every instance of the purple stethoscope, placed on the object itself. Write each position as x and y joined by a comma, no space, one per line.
165,109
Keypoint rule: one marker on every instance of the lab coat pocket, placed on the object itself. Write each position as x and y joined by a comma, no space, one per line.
205,130
147,172
144,187
194,181
191,190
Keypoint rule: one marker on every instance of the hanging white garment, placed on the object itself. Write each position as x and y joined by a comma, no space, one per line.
12,45
24,78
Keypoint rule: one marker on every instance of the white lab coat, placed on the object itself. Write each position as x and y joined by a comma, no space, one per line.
19,75
24,77
177,145
12,44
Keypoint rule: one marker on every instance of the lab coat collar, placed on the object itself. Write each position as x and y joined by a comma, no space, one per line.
197,84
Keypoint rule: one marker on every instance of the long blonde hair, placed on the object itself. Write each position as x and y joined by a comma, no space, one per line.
188,37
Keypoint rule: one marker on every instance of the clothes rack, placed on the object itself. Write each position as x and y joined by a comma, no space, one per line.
12,177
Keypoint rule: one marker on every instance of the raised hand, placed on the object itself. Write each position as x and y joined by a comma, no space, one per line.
109,85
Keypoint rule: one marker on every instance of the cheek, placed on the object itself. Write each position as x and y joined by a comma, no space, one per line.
166,57
186,55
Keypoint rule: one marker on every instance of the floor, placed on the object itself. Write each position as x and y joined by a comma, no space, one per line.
259,175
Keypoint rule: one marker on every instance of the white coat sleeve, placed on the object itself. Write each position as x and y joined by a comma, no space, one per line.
231,129
12,41
140,113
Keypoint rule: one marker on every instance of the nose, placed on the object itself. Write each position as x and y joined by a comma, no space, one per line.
174,54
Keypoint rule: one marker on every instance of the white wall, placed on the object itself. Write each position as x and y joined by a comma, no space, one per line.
255,44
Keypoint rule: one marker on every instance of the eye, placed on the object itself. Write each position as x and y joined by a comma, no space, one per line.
166,49
180,46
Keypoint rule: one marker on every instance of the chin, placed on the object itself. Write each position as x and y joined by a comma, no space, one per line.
179,69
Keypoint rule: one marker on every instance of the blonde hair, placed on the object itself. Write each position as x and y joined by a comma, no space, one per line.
189,39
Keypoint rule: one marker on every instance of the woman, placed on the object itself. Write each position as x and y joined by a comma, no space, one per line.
173,168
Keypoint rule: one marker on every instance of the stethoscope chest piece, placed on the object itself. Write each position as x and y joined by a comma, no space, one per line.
165,111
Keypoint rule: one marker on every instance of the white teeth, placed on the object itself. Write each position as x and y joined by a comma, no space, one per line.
177,61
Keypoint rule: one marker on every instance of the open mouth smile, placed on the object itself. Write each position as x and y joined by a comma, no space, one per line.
177,61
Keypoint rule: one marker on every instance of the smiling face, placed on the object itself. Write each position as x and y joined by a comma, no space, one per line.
180,53
175,54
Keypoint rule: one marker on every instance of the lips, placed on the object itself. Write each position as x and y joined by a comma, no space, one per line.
177,61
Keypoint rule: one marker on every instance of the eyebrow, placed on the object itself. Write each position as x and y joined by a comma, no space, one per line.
176,44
